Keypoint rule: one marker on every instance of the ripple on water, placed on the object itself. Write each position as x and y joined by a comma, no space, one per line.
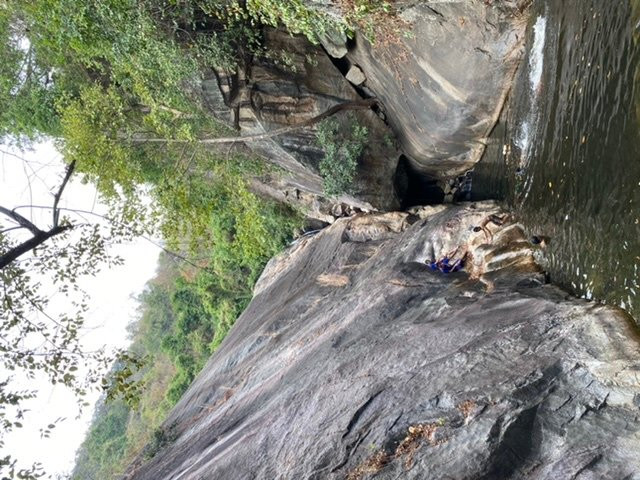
570,143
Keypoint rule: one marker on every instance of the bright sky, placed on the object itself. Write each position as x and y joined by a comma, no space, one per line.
112,299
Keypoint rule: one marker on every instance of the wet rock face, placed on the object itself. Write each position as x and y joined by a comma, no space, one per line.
356,360
444,78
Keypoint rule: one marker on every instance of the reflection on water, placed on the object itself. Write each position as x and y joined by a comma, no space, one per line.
571,146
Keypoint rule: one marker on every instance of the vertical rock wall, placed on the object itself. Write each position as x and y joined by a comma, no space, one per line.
297,84
443,76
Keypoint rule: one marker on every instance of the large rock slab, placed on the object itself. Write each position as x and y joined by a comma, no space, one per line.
356,360
444,77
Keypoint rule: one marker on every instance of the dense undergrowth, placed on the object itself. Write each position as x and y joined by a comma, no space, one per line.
342,150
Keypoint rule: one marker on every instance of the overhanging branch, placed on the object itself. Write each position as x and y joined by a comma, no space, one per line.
39,236
20,220
355,105
33,242
56,199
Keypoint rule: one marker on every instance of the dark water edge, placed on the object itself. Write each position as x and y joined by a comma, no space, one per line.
565,157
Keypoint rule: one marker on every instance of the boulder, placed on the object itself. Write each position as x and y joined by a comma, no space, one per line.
355,75
335,42
357,360
442,71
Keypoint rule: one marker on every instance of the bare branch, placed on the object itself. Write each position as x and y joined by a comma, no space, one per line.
56,212
39,236
20,220
35,241
24,168
355,105
18,227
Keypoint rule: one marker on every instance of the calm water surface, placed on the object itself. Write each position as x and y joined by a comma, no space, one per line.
566,155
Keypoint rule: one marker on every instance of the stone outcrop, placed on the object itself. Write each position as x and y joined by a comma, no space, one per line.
355,75
357,360
443,73
297,84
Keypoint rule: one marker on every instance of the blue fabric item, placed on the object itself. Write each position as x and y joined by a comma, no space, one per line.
444,266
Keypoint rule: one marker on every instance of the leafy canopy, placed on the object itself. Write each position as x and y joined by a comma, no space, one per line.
342,150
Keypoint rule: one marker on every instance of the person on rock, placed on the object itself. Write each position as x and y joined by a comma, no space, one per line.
447,264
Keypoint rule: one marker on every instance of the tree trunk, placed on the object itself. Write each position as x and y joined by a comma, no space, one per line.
356,105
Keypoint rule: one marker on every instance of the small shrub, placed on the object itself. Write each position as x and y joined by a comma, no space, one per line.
293,14
162,437
342,150
377,20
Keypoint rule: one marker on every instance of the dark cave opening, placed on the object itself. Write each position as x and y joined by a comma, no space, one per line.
414,187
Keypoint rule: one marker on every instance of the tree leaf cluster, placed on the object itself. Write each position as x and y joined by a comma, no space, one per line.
343,148
103,78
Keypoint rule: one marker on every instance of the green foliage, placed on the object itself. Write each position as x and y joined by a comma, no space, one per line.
293,14
162,436
91,125
186,314
218,49
373,18
27,97
342,150
188,344
105,443
130,424
298,17
115,42
125,50
122,382
156,314
243,233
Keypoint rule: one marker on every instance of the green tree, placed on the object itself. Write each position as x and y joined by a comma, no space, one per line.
106,442
342,150
27,93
